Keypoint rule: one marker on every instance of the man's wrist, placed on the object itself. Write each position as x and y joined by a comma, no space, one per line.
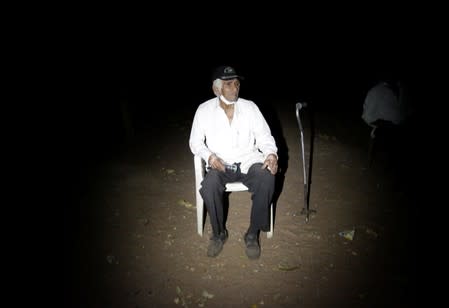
273,155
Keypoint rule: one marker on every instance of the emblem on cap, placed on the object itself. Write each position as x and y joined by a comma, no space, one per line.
229,70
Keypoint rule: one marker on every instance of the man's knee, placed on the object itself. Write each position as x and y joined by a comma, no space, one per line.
263,175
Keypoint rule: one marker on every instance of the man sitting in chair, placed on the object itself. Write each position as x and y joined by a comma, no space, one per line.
233,137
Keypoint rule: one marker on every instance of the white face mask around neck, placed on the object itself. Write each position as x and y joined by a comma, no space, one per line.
223,99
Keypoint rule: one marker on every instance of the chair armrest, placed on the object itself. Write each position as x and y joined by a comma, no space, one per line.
200,168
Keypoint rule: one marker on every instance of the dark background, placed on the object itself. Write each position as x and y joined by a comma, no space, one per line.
162,70
159,67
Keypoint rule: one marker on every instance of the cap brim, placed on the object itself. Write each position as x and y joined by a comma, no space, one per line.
231,77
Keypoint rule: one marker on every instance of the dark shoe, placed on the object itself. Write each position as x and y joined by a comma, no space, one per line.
216,244
252,245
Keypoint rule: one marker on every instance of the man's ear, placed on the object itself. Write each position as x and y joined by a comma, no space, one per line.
217,91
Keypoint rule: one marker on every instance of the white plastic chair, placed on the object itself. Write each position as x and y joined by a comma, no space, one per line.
200,169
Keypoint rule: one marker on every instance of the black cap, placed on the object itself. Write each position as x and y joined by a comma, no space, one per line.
225,73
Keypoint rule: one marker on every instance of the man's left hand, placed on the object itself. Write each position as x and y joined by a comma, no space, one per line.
271,163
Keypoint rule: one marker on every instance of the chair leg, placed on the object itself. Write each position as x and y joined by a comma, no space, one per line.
270,233
199,215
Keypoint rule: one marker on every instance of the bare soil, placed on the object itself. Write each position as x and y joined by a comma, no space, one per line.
136,245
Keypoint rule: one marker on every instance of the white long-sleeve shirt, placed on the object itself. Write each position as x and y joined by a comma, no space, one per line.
246,140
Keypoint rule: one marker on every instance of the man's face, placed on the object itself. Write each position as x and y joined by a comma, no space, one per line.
230,89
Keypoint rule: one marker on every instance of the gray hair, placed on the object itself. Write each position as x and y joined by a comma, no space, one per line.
217,86
218,83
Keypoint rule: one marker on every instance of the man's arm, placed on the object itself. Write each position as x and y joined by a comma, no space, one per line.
265,142
197,138
198,145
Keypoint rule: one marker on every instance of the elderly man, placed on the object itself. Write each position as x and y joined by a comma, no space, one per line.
232,136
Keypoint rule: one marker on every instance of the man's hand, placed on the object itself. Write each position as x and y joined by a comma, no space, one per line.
216,163
271,163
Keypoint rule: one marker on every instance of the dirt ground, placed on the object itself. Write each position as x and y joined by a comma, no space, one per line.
137,244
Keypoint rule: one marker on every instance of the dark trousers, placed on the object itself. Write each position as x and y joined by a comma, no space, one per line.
260,183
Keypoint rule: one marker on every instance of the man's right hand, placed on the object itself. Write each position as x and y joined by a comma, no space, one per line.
216,163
